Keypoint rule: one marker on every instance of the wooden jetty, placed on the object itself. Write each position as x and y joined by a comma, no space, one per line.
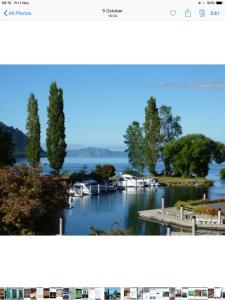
184,219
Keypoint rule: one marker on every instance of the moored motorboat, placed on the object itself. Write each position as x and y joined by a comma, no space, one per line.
125,181
90,187
128,181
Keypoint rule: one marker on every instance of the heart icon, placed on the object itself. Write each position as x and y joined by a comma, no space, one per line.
173,12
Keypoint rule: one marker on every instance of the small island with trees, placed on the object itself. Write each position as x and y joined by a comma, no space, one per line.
186,159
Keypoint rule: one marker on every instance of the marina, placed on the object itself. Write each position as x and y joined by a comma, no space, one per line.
121,182
119,207
184,219
111,208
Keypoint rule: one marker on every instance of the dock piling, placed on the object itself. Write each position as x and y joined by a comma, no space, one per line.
219,216
60,226
168,230
98,189
193,225
181,212
163,202
70,201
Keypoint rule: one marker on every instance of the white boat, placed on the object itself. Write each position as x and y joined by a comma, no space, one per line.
151,182
129,181
83,188
90,187
125,181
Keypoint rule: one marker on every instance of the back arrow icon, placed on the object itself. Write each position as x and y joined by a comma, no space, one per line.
5,13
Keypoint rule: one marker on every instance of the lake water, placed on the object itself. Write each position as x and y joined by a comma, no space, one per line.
104,210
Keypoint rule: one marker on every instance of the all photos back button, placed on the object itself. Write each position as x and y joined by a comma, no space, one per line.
9,13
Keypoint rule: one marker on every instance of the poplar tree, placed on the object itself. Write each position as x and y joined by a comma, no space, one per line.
135,146
170,131
55,134
152,135
33,132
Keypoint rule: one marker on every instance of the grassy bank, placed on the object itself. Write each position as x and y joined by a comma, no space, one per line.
194,203
201,207
181,181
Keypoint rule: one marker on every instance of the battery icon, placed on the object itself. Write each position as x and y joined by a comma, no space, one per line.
219,2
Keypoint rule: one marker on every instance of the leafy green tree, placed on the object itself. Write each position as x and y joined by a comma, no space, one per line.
152,135
103,172
191,155
170,131
6,149
33,132
55,134
135,146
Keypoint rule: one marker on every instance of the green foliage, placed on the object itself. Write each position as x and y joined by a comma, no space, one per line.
100,173
81,175
190,203
55,134
131,171
6,149
222,173
195,203
103,172
219,152
30,203
33,132
152,135
135,146
184,181
190,155
170,131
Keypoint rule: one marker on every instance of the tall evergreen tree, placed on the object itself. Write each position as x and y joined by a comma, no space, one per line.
55,134
170,131
152,135
33,132
135,146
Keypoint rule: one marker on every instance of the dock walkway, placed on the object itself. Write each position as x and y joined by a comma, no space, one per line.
172,216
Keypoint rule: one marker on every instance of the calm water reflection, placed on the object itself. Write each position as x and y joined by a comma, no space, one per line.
121,207
103,210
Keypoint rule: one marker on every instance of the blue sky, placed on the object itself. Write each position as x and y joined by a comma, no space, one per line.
102,100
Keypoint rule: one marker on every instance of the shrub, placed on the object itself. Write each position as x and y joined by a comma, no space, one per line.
103,172
190,203
30,203
202,209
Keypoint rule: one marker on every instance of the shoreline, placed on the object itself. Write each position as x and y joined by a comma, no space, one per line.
171,216
184,182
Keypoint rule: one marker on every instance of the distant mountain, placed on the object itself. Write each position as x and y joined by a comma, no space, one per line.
69,146
19,139
95,152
